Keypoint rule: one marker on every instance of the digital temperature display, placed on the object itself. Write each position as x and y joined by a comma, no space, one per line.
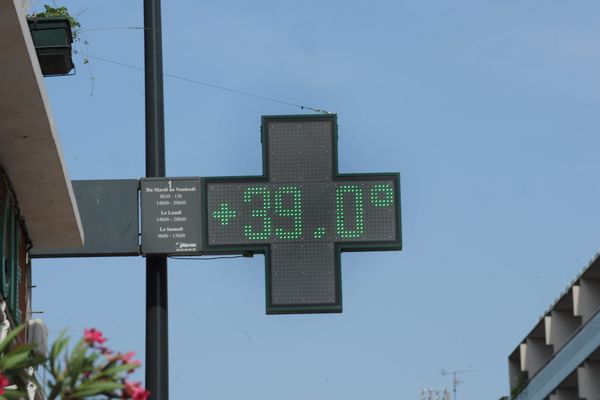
302,214
342,211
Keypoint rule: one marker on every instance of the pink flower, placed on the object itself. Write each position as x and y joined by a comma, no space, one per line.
140,394
126,358
93,336
137,363
3,382
135,391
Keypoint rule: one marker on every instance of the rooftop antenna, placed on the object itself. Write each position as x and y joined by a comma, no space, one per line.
455,380
434,394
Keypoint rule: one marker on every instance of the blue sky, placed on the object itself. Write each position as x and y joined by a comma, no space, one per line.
487,109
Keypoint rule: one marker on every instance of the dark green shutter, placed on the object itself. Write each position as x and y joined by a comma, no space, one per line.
15,272
6,247
2,228
11,271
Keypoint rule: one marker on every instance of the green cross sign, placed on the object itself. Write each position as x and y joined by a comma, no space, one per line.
301,214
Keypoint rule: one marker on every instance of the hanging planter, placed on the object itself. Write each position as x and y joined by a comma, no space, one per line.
53,39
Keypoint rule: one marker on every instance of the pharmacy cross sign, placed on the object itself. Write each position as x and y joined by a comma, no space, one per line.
301,214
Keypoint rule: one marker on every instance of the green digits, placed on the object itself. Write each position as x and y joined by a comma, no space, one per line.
340,211
294,212
259,213
382,195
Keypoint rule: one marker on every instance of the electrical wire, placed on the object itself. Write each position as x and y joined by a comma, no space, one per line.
111,29
204,258
213,86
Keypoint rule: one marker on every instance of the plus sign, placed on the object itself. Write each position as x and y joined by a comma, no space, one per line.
224,214
301,214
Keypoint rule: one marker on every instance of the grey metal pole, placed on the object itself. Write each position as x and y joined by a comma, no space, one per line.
454,382
157,339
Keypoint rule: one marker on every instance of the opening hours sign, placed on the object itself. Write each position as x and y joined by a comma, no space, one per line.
301,213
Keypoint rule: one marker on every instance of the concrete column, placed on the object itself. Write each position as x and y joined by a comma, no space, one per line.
560,325
514,372
576,292
523,355
586,298
589,380
537,353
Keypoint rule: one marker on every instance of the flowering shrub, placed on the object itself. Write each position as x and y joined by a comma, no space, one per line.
89,370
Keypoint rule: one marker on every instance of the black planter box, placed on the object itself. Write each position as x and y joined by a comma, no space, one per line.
52,37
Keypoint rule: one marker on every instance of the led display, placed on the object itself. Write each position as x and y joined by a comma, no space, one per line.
302,213
341,211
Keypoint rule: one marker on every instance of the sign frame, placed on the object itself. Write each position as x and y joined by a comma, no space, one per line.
265,248
109,210
144,250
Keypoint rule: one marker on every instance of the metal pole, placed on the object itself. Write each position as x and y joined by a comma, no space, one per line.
157,340
454,382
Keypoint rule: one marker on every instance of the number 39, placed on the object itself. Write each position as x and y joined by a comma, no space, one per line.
262,213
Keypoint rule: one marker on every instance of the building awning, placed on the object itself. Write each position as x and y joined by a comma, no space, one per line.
30,151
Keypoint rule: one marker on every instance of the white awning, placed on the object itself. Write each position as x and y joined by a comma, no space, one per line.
30,151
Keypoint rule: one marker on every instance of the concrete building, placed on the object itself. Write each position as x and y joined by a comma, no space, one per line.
560,358
37,205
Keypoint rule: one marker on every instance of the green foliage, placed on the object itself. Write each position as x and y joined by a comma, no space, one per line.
14,360
61,12
86,371
12,394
